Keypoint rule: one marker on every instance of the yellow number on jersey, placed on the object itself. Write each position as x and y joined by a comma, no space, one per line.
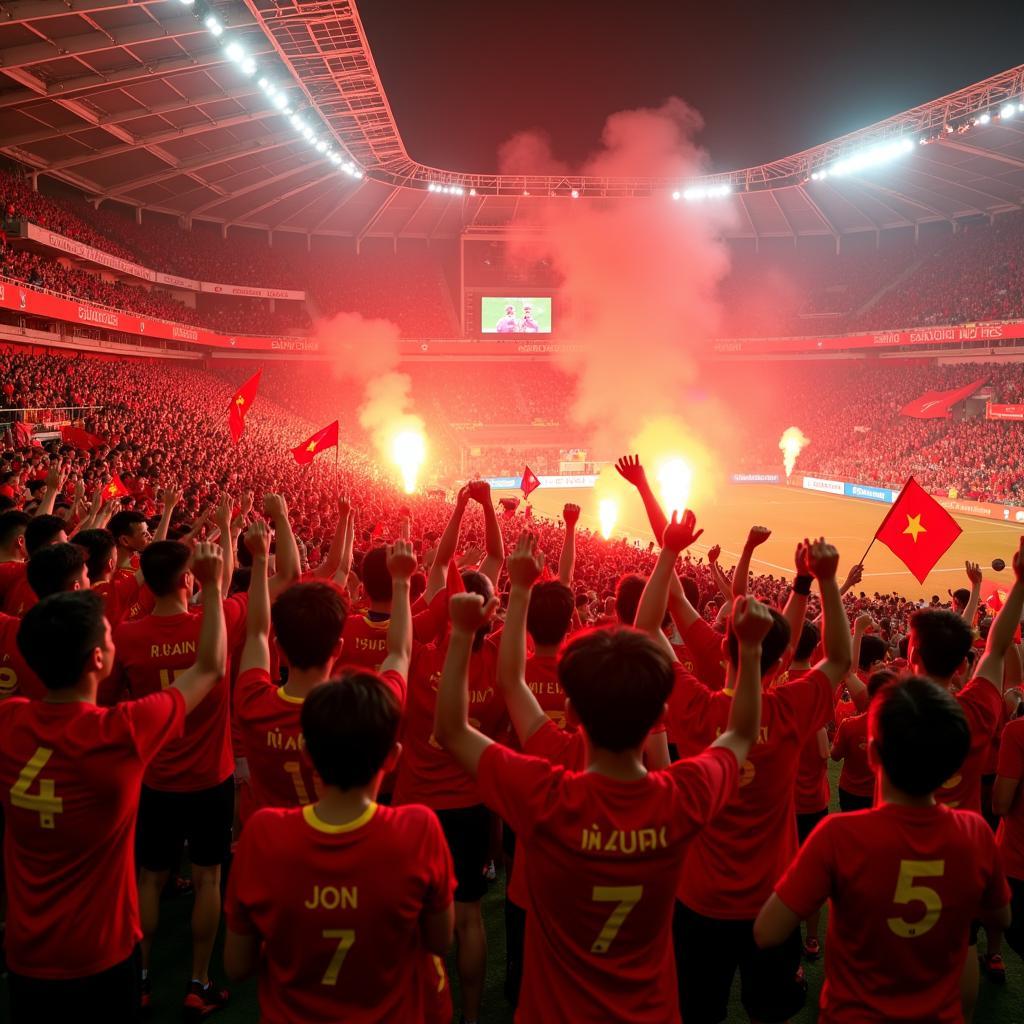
625,897
908,892
346,939
167,676
294,769
8,682
46,803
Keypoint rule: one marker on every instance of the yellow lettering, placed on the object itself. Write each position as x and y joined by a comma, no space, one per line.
591,838
47,803
908,892
346,939
625,897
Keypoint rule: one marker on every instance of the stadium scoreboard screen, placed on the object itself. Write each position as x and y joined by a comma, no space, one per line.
501,315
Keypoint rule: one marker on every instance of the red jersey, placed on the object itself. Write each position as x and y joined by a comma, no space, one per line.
119,594
851,747
69,778
733,864
982,704
603,860
15,675
10,574
20,596
542,681
812,791
1010,837
280,773
365,642
150,653
338,910
427,774
904,885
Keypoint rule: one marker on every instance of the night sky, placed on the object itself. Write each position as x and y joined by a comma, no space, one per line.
769,78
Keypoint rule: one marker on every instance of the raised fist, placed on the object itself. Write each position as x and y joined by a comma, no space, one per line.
526,563
468,612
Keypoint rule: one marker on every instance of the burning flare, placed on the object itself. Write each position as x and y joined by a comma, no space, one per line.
676,478
608,513
408,450
792,443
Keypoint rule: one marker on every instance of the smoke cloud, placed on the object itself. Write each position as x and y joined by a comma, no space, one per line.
367,353
638,301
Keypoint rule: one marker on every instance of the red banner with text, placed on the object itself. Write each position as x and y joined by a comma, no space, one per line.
995,411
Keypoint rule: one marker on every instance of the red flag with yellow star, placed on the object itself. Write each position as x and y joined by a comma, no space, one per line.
115,489
241,402
918,530
313,446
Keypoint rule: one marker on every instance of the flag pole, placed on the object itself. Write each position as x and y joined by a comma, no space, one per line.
870,546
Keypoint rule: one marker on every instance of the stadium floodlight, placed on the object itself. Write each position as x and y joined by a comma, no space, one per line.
984,119
248,65
873,156
186,3
358,173
280,100
1008,111
472,191
235,52
215,27
697,193
321,146
265,86
297,123
677,195
575,193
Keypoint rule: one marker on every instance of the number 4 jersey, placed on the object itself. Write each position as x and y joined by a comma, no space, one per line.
905,884
69,777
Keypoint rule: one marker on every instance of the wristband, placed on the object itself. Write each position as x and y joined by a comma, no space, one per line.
802,585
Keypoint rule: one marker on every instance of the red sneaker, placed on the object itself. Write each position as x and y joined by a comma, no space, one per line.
201,1002
993,968
812,950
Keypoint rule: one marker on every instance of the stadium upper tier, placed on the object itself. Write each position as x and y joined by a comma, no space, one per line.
272,114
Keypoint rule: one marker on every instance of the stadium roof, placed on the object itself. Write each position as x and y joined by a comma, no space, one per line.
136,101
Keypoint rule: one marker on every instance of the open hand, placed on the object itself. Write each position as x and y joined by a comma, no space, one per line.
973,573
680,534
631,470
526,563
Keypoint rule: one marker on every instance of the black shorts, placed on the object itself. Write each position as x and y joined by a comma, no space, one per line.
202,818
112,996
468,832
806,823
1015,933
709,952
852,802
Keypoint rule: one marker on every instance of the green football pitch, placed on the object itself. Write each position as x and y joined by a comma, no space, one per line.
172,963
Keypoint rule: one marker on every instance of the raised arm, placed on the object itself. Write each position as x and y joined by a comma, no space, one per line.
750,623
446,547
722,581
567,559
211,656
169,496
452,730
741,574
525,565
631,470
480,490
51,490
823,560
286,561
677,537
329,566
223,521
401,565
256,652
1000,636
796,607
975,577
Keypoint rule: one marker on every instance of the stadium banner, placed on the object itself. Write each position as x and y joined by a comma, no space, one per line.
996,411
81,251
812,483
869,493
27,300
933,405
924,336
511,483
756,478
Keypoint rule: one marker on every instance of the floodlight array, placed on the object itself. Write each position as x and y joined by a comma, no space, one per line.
698,193
277,92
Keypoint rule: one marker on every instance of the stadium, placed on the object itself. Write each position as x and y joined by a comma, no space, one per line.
253,351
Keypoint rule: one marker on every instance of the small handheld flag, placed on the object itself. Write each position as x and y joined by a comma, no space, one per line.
313,446
115,489
918,530
241,402
530,482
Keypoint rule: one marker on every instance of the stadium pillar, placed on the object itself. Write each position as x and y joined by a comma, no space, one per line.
138,214
35,181
224,230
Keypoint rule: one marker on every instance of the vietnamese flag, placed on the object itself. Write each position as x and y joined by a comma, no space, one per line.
115,489
918,530
240,405
530,482
81,438
313,446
